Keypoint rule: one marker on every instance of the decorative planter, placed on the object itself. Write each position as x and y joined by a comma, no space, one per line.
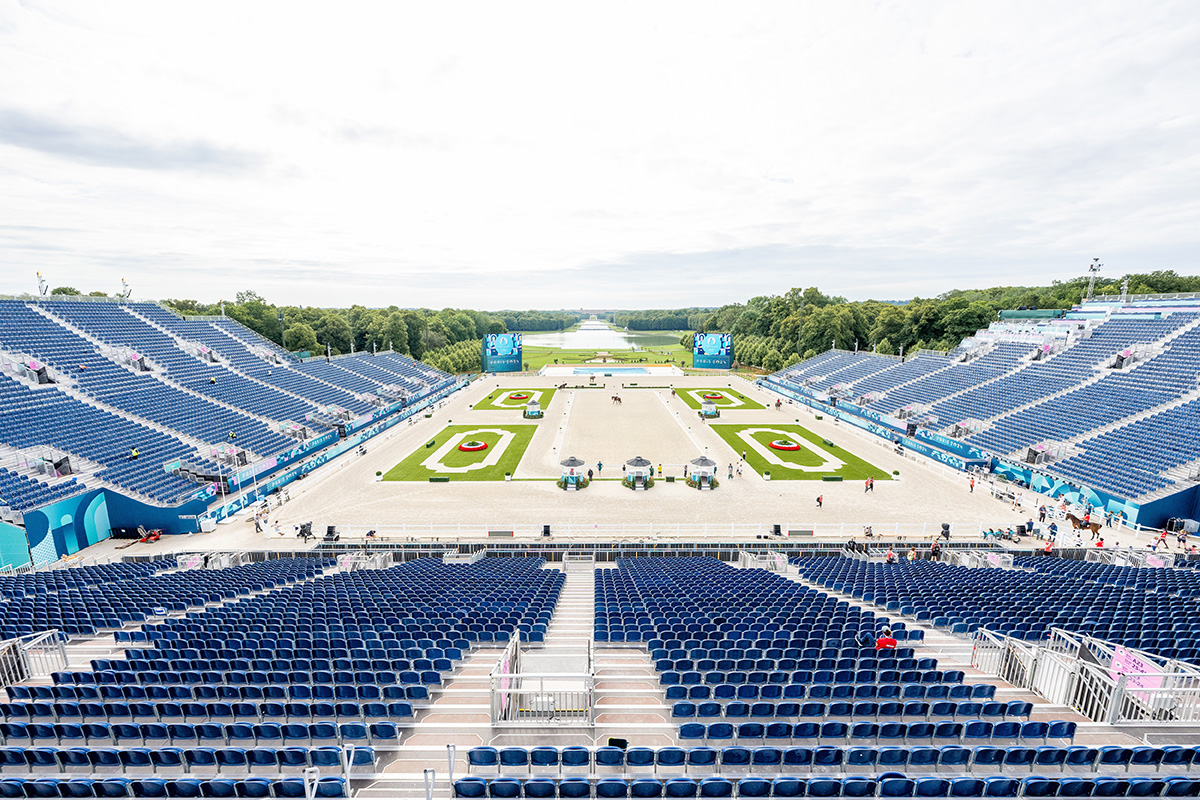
784,444
714,396
473,447
519,396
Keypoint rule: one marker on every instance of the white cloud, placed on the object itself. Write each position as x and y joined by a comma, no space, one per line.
548,154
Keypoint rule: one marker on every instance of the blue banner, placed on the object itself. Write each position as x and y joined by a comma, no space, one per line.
501,352
712,351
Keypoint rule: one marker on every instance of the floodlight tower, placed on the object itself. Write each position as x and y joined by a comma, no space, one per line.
126,289
1093,269
43,287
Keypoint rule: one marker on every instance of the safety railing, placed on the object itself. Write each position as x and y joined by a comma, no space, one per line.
1093,692
986,651
31,657
529,698
574,561
1102,681
770,561
456,557
537,699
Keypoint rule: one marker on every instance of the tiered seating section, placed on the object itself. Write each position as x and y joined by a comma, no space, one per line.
21,492
84,600
780,692
244,394
1105,602
225,700
1069,396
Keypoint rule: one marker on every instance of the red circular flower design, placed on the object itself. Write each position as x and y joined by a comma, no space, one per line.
473,446
714,396
784,444
518,396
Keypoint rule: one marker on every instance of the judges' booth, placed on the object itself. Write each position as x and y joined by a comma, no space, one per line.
703,474
709,409
533,410
573,474
638,474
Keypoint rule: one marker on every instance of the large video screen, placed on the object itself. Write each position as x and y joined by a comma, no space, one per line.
712,351
501,352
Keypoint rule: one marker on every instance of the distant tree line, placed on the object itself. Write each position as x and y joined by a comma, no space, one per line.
776,331
681,319
538,320
770,332
418,332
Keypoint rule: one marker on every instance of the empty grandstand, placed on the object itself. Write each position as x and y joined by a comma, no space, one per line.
172,412
331,675
1097,405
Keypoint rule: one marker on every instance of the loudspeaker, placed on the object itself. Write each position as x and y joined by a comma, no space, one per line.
613,741
775,529
331,530
911,430
1021,530
545,530
946,531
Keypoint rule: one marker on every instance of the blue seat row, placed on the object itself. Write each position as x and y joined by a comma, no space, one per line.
181,760
160,787
211,711
799,691
916,709
188,733
280,690
797,760
897,786
947,732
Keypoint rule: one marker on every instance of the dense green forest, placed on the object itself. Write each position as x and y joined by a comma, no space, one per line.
774,332
770,332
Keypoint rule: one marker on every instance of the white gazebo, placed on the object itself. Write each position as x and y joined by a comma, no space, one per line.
704,470
533,410
639,473
573,473
709,409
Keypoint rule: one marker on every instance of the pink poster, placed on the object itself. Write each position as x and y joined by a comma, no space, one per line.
1142,674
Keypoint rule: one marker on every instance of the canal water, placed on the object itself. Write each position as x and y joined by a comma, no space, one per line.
595,335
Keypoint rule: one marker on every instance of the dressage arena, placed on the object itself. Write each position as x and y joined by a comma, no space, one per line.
586,423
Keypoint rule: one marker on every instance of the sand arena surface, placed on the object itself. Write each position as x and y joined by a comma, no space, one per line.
585,423
650,423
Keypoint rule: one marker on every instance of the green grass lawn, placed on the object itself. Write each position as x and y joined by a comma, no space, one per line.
412,469
499,400
854,469
687,395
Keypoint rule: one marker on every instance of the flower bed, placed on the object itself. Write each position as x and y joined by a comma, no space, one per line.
784,444
518,396
473,446
714,396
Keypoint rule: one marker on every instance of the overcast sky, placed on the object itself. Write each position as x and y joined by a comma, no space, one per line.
530,155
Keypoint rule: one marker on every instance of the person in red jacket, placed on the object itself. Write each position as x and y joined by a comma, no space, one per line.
885,640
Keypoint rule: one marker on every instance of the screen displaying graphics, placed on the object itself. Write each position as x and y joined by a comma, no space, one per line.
712,351
501,352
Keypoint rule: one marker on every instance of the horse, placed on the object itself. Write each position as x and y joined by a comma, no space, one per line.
1077,523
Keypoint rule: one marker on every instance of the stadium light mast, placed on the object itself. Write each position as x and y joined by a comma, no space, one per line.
43,287
1125,289
1093,268
126,290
